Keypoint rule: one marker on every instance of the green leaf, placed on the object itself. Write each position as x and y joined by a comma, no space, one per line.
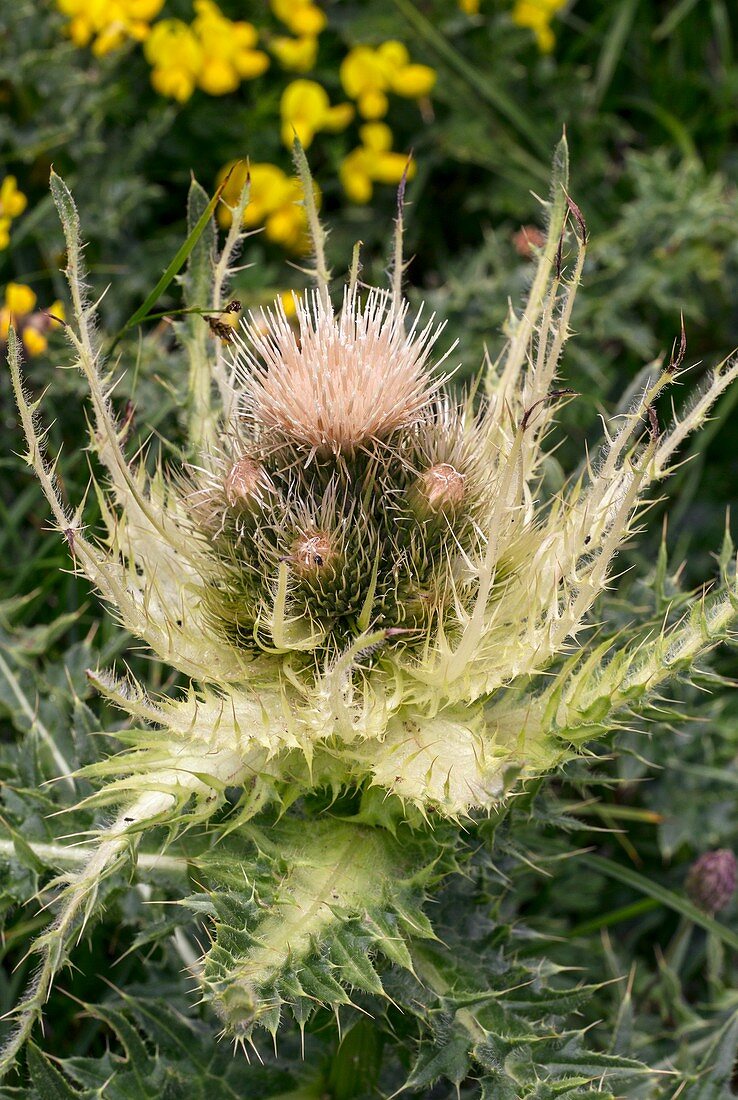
304,921
46,1079
355,1067
198,279
716,1068
448,1059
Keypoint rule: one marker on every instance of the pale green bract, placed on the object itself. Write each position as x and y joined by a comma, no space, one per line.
369,587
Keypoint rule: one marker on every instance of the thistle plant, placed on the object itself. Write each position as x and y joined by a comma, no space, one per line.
371,594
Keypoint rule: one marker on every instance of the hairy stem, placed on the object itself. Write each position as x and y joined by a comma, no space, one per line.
77,855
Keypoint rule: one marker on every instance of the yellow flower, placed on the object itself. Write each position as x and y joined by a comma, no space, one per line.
295,54
302,17
19,299
214,53
34,341
414,81
373,162
228,54
471,7
275,203
110,38
289,300
306,109
537,15
57,313
12,201
368,74
20,302
145,10
175,54
107,24
364,79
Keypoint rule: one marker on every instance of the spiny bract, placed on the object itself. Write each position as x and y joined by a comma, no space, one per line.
364,577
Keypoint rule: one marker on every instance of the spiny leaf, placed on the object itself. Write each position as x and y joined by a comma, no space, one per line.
46,1078
717,1067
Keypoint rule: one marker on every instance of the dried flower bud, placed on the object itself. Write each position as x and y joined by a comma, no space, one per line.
312,552
711,880
243,482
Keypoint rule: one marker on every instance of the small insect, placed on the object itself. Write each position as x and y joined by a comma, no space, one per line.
223,324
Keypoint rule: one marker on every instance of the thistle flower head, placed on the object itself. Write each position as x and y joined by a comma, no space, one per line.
370,567
711,880
343,380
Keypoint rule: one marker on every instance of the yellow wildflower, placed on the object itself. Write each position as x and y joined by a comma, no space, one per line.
57,312
12,203
368,74
373,162
471,7
306,109
289,301
19,299
34,341
214,54
303,17
228,54
295,54
537,16
175,54
275,203
18,310
107,24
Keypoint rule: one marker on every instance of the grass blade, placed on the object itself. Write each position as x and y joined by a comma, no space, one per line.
665,897
175,266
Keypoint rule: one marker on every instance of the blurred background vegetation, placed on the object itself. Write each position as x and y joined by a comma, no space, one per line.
128,98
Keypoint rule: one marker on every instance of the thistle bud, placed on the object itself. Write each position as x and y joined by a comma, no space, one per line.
243,483
311,553
441,487
711,880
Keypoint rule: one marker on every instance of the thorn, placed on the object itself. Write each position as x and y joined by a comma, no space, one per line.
402,185
129,420
677,359
552,396
559,254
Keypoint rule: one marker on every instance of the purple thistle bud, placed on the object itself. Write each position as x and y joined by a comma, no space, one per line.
711,880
